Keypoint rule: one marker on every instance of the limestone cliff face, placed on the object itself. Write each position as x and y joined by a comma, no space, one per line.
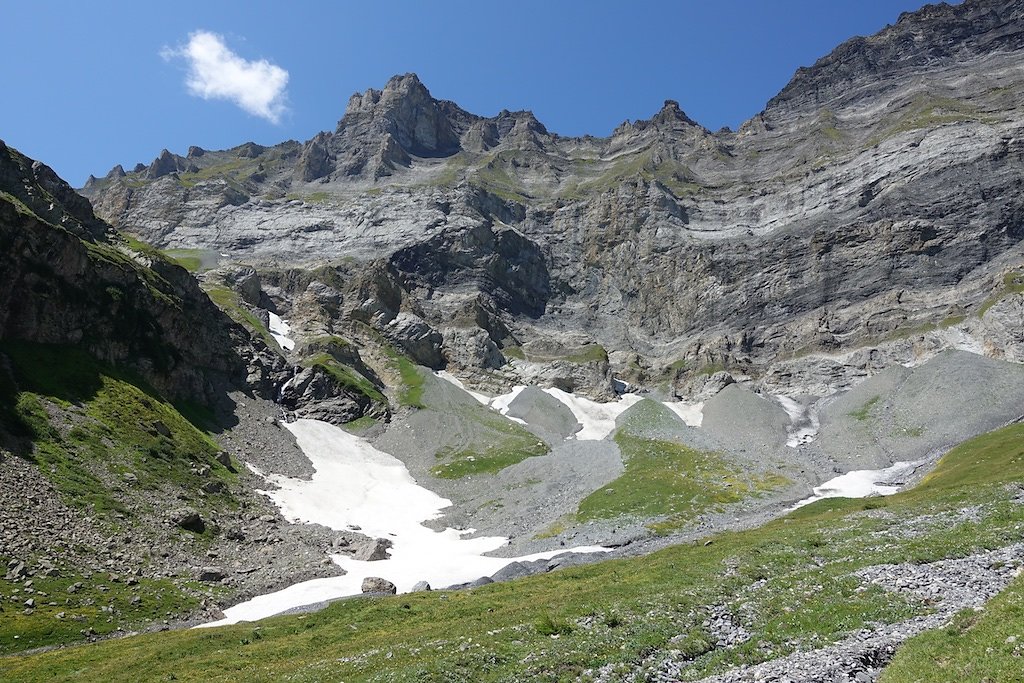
878,195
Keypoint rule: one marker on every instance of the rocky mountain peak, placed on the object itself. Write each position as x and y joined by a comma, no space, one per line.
398,88
405,110
164,164
670,114
670,117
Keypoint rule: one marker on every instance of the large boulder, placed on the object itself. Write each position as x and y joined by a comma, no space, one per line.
377,585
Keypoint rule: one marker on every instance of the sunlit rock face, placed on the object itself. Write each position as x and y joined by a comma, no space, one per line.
875,202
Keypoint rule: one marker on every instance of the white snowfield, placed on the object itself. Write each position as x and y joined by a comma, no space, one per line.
864,483
357,485
279,330
690,413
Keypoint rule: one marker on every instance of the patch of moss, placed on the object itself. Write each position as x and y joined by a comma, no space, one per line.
1013,283
592,353
668,480
506,444
101,605
360,425
513,352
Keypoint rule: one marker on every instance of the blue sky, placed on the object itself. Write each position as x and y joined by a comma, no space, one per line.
91,84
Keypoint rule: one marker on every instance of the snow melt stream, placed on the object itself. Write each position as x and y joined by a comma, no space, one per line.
357,485
804,422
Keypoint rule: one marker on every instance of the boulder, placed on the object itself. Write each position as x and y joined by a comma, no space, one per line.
420,586
187,518
703,387
373,550
375,584
418,339
516,570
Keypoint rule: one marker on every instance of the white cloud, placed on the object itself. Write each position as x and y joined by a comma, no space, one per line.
215,72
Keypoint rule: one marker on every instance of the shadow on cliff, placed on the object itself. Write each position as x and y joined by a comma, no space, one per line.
71,377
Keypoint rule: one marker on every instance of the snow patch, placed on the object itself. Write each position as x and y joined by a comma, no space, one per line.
864,483
356,484
597,419
690,413
279,330
804,422
501,403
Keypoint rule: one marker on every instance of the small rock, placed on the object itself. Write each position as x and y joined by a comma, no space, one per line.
211,574
420,586
212,486
16,571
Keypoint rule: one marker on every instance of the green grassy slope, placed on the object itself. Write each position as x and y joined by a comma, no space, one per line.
667,479
89,426
790,583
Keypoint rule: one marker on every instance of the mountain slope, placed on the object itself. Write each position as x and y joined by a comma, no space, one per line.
117,374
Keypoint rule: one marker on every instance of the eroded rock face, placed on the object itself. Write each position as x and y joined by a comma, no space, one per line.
69,280
878,193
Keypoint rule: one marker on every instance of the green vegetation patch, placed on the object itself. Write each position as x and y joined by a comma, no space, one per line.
666,479
63,611
411,393
930,111
790,583
987,646
675,176
360,425
192,260
312,197
229,302
864,412
505,444
514,352
591,353
493,175
1013,283
236,170
104,424
346,376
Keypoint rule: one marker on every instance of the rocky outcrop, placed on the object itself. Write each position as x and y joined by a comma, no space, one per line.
318,394
70,280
